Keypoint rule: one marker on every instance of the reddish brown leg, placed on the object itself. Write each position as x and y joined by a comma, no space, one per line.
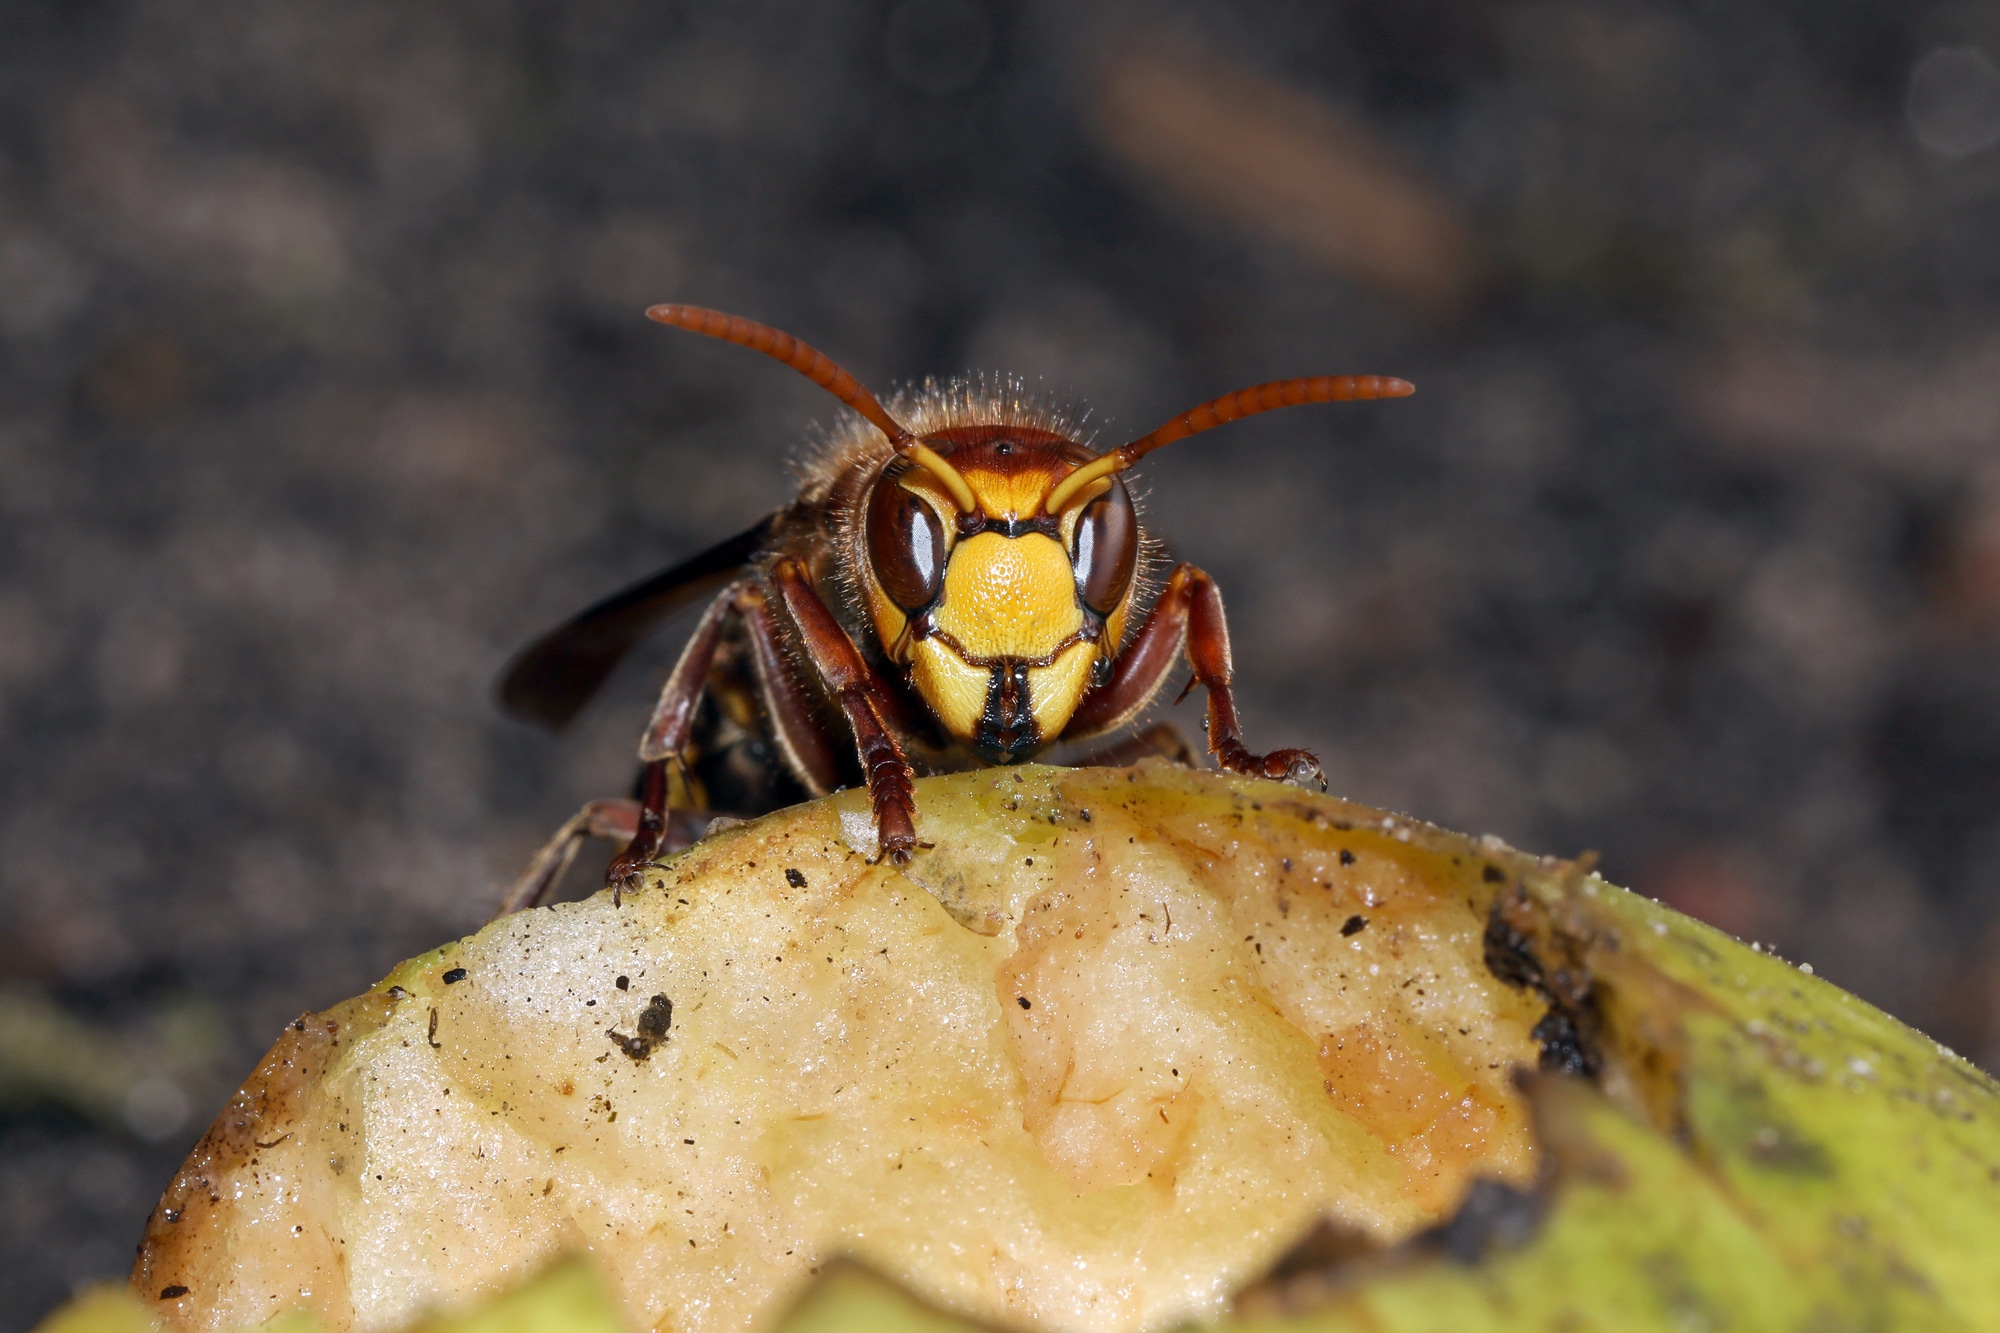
1162,740
864,700
1208,650
648,828
615,821
667,735
649,838
1188,612
672,726
790,710
665,740
1140,669
787,707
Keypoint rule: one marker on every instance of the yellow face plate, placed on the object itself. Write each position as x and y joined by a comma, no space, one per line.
1005,599
1009,597
954,689
1055,690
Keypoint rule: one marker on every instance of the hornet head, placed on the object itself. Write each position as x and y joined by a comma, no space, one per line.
1000,558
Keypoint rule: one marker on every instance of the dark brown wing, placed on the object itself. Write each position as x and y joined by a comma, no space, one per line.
550,680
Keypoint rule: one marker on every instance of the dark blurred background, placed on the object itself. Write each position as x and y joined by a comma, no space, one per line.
324,384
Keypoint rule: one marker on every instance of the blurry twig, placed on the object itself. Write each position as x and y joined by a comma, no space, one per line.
1919,417
1280,163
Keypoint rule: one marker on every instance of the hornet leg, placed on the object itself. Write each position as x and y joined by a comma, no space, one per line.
786,707
665,739
1187,615
865,701
792,714
615,821
646,826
